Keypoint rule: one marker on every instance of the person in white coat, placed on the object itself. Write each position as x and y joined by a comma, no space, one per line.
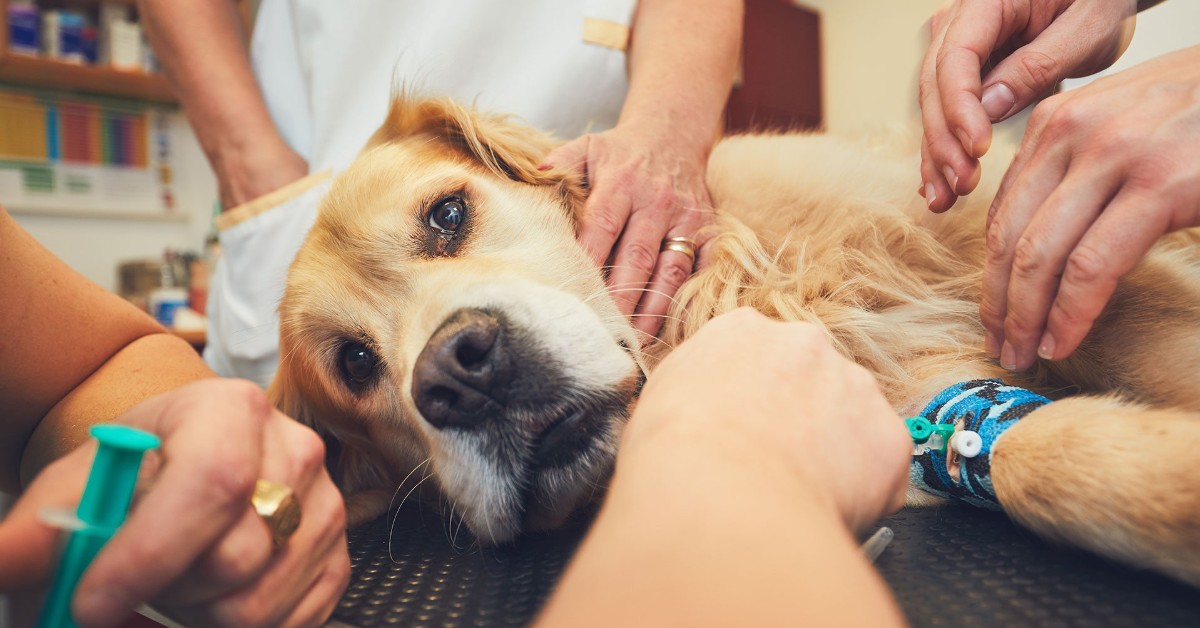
638,89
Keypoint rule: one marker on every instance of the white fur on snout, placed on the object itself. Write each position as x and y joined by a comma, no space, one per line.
587,352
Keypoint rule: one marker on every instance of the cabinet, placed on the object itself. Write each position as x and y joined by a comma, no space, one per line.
30,71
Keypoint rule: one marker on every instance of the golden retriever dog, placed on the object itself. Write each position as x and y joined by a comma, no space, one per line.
443,328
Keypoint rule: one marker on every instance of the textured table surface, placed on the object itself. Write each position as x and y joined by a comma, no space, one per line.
953,565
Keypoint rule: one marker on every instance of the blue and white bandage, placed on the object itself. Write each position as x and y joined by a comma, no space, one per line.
984,406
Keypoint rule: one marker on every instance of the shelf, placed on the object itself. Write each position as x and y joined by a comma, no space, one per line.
36,72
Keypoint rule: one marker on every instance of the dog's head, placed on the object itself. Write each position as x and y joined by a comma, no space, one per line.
441,319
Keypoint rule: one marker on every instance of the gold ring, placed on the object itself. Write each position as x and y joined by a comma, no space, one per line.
687,246
277,504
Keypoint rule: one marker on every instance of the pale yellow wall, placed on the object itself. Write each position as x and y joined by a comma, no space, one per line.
872,49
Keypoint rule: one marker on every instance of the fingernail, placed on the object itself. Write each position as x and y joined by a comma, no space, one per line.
1008,357
990,344
998,100
965,140
951,178
930,194
921,190
1046,348
544,166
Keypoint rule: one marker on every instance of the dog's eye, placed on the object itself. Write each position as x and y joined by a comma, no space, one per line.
447,215
358,363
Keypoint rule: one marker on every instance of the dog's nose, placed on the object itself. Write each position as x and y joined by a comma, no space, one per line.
461,366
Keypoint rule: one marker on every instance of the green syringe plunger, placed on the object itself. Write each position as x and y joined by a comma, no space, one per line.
101,511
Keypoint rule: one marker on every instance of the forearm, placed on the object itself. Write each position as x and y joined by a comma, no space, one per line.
682,62
202,51
718,536
149,365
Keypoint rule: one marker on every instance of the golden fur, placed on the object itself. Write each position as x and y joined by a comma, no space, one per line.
814,228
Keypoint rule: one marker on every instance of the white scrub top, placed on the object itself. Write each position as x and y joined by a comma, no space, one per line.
327,70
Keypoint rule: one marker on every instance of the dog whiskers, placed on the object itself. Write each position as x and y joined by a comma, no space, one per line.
396,516
449,521
672,299
461,518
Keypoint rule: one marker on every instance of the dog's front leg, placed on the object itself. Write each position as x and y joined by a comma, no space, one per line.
1113,477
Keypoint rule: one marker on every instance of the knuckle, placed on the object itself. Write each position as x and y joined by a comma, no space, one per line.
862,379
1040,116
230,479
637,254
735,319
1035,70
622,175
248,396
1085,266
945,55
606,223
327,499
307,450
1154,173
811,338
927,87
1069,314
673,273
663,196
1020,325
996,240
237,565
744,313
1113,140
991,314
1029,257
337,515
1068,118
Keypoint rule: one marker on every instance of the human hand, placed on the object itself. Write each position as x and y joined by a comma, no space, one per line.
784,392
1103,171
192,545
989,59
248,171
647,184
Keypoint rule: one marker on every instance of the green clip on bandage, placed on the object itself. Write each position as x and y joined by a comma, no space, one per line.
101,511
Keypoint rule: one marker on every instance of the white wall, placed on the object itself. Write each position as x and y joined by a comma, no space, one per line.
1166,27
872,49
94,246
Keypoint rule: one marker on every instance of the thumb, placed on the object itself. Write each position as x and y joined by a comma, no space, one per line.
28,546
1057,53
571,156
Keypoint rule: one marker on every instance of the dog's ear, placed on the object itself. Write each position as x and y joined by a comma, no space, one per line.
498,143
284,395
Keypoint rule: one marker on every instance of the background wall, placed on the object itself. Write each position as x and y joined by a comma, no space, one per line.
94,246
874,47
